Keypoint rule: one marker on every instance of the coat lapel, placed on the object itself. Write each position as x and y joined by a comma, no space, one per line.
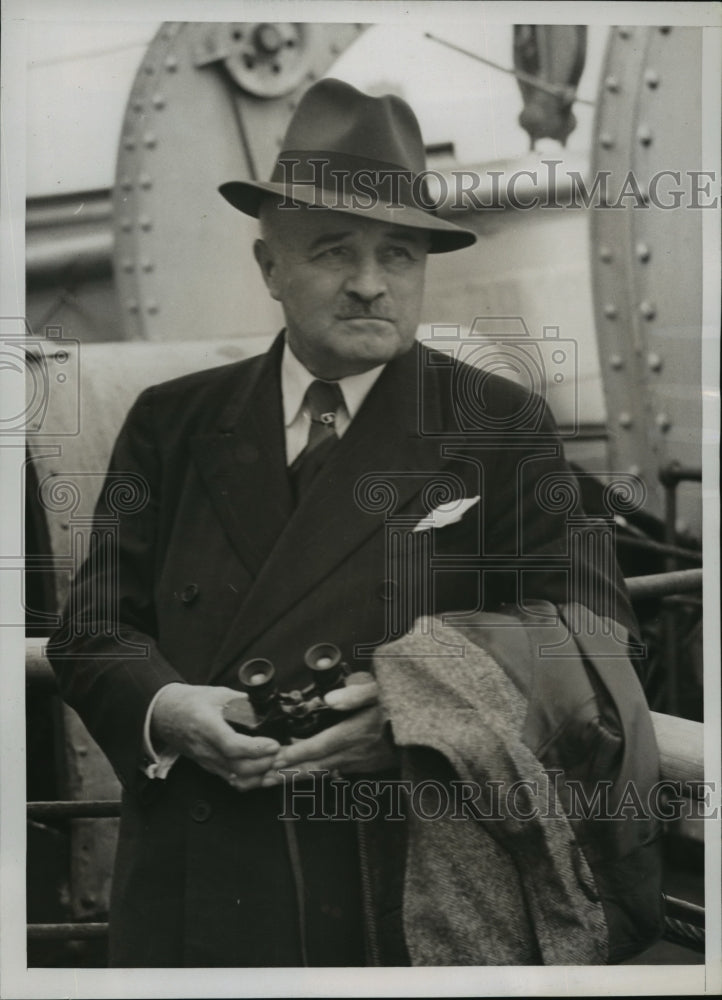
330,522
243,465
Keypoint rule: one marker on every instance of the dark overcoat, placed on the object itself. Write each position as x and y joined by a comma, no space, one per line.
215,564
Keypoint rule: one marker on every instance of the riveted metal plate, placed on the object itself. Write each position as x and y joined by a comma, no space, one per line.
647,255
88,775
198,116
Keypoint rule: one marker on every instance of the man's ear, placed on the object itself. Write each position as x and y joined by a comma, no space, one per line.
267,263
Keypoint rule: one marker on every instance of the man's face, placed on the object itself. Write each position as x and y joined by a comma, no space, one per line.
351,288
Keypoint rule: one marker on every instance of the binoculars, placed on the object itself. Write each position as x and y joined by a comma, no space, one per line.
286,715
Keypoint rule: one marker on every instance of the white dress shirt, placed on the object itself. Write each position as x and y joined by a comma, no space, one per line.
295,380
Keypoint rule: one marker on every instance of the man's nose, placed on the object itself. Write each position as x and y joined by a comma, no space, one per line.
367,280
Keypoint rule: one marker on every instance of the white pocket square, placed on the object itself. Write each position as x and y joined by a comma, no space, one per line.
446,513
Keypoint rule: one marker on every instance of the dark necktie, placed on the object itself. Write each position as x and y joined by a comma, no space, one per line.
322,400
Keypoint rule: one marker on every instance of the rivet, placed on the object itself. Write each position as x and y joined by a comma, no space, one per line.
610,310
617,362
624,32
81,750
605,140
171,64
655,362
132,306
311,75
158,101
267,39
137,105
149,69
665,30
647,309
145,181
663,422
126,184
625,420
644,134
129,143
127,265
605,254
612,84
126,225
651,78
149,140
145,223
335,49
152,308
147,265
643,252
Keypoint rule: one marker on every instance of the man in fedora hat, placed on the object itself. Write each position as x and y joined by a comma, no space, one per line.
271,483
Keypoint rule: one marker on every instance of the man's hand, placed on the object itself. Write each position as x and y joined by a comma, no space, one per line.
356,743
188,718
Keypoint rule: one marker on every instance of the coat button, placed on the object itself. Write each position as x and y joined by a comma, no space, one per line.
189,593
200,811
387,590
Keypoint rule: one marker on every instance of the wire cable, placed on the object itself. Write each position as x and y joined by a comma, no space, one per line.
551,88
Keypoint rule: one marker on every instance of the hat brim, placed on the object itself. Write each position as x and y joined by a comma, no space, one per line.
247,197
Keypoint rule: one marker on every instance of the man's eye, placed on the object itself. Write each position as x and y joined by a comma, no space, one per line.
399,252
333,253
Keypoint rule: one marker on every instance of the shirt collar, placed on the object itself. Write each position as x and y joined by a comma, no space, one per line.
296,378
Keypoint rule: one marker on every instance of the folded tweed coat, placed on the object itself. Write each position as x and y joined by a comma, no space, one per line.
543,872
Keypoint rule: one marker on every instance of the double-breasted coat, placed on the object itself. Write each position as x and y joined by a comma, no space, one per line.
215,564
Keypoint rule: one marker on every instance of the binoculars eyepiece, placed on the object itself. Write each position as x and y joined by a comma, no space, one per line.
324,662
258,679
287,714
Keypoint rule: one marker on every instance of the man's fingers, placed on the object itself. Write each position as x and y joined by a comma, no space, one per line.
330,741
347,699
241,774
237,745
247,768
315,747
230,743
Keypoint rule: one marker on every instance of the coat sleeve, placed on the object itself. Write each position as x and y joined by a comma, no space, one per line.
533,514
105,653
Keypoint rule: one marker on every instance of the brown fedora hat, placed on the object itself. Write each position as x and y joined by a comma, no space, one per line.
353,153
